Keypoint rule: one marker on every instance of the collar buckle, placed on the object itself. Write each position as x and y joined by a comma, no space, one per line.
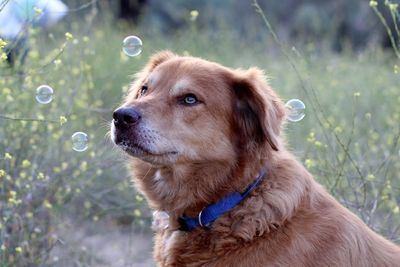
213,211
200,220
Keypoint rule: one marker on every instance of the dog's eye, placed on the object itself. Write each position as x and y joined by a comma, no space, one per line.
189,100
143,90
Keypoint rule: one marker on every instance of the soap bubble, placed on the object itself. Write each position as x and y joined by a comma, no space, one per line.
44,94
296,110
160,220
79,141
132,46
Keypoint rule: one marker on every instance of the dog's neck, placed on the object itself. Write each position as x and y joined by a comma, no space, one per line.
187,188
167,189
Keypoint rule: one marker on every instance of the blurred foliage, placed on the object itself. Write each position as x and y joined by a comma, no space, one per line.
336,24
349,138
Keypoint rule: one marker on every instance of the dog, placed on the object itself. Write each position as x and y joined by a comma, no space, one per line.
209,156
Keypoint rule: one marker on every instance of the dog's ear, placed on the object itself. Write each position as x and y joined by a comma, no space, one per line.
258,110
159,58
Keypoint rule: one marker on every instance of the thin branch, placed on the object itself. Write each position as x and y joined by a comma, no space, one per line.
28,119
314,95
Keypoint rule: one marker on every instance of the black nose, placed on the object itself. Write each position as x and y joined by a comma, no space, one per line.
126,117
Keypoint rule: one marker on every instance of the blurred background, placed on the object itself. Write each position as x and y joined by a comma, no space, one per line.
62,207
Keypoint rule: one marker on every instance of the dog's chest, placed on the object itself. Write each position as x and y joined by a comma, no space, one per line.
177,248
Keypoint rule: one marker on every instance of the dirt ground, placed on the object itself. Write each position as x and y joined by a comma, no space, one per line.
102,244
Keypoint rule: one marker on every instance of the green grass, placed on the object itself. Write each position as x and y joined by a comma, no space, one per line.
348,139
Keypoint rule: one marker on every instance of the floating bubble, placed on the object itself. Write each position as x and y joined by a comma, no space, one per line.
160,220
132,46
79,141
44,94
296,110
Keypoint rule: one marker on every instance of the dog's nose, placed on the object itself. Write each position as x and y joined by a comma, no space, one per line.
126,117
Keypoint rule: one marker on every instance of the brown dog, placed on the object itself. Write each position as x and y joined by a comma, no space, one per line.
199,132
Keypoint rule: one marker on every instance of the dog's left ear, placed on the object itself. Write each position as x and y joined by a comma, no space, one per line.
259,111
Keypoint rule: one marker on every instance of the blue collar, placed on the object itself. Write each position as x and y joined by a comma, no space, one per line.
213,211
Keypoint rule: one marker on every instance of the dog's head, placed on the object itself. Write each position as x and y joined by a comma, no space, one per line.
189,110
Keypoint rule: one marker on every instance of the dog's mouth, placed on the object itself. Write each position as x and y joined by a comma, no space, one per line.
137,150
139,146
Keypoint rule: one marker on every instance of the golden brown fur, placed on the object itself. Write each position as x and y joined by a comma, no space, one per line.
198,154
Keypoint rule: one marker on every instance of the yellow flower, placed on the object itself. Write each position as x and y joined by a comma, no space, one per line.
393,7
87,205
137,213
2,173
373,3
310,163
26,163
338,129
38,11
64,165
193,15
63,120
2,43
7,91
18,249
318,143
57,62
47,204
83,166
396,210
69,36
139,198
3,57
40,176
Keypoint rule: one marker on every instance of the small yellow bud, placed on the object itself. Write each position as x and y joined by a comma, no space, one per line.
370,177
3,57
310,163
26,163
68,36
63,120
38,11
47,204
2,43
40,176
137,213
373,3
193,15
396,210
393,7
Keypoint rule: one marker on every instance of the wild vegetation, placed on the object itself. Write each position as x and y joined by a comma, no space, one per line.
349,138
